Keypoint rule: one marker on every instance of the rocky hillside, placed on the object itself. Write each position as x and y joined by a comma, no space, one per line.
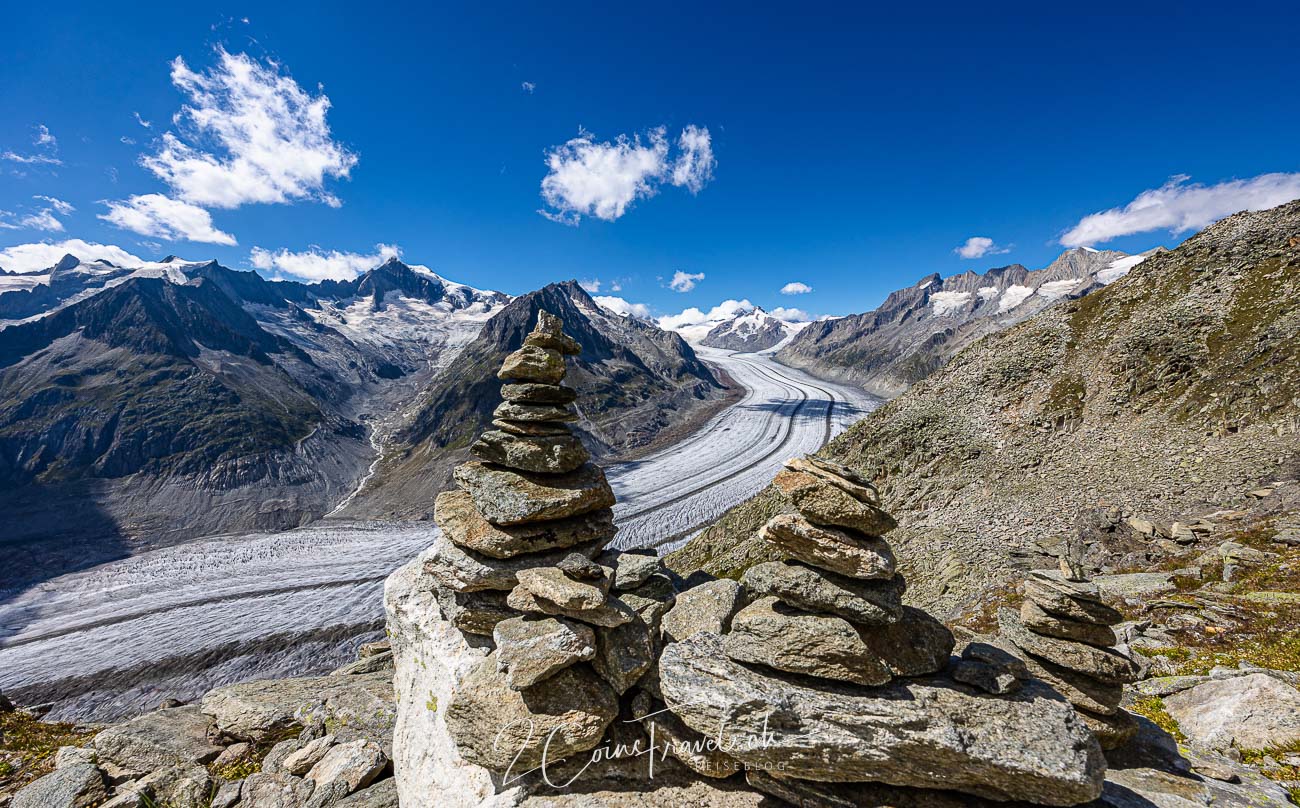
633,379
917,329
1160,398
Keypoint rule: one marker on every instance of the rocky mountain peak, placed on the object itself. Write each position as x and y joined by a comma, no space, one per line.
67,262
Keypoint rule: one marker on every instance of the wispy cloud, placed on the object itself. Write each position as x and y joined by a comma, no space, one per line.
43,255
61,207
1180,205
603,179
142,121
528,87
47,150
162,217
590,285
796,288
315,264
620,306
44,218
685,281
980,246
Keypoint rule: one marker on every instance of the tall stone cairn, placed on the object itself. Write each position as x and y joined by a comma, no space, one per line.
520,565
833,609
1063,633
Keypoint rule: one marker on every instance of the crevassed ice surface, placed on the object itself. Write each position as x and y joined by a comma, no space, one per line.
116,639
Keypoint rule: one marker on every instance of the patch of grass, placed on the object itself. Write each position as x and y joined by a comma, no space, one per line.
27,747
243,766
1153,708
1279,771
1174,653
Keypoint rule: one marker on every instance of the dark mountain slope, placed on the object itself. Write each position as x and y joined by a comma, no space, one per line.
919,328
1167,394
633,381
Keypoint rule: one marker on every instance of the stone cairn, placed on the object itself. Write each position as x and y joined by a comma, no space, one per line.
833,609
1063,632
520,569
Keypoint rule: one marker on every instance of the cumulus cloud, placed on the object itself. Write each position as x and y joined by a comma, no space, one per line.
796,288
315,264
695,162
272,141
587,178
980,246
684,281
620,306
43,255
166,218
694,316
791,315
1179,206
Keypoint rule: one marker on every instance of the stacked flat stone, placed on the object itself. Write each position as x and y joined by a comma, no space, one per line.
520,561
1063,633
833,609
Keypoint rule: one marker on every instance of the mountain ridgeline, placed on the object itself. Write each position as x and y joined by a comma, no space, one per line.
634,381
919,328
145,405
1158,395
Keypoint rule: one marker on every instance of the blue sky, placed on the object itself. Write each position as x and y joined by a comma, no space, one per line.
848,149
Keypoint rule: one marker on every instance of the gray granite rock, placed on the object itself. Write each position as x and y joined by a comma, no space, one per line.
823,503
79,785
624,653
549,454
507,497
829,548
767,632
1102,664
1039,621
460,521
460,570
264,790
814,590
355,764
156,740
1250,712
707,607
530,649
530,393
533,364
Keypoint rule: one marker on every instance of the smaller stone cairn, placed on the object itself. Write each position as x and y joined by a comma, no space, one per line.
520,569
1063,633
833,609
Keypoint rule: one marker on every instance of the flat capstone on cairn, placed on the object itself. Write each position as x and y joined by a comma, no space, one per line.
1063,632
520,569
825,681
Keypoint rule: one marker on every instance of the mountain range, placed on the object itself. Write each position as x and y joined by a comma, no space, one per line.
144,405
1163,396
919,328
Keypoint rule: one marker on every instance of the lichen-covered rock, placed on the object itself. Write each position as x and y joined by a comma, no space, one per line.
533,364
1103,664
823,503
156,740
359,706
1112,731
474,612
829,548
549,333
519,411
631,569
767,632
838,475
496,726
461,570
1030,746
707,607
508,497
263,790
355,764
1040,622
530,393
1250,712
916,645
553,585
866,602
530,650
300,761
544,454
79,785
624,653
1069,600
613,612
454,512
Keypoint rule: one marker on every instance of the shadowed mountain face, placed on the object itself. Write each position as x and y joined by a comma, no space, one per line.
633,381
917,329
1172,390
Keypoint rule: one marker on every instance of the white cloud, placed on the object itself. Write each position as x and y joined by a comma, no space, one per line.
43,219
272,139
31,257
586,178
143,122
592,285
60,207
48,145
528,87
694,166
684,281
796,288
980,246
1179,206
162,217
791,315
694,316
315,264
620,306
127,140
